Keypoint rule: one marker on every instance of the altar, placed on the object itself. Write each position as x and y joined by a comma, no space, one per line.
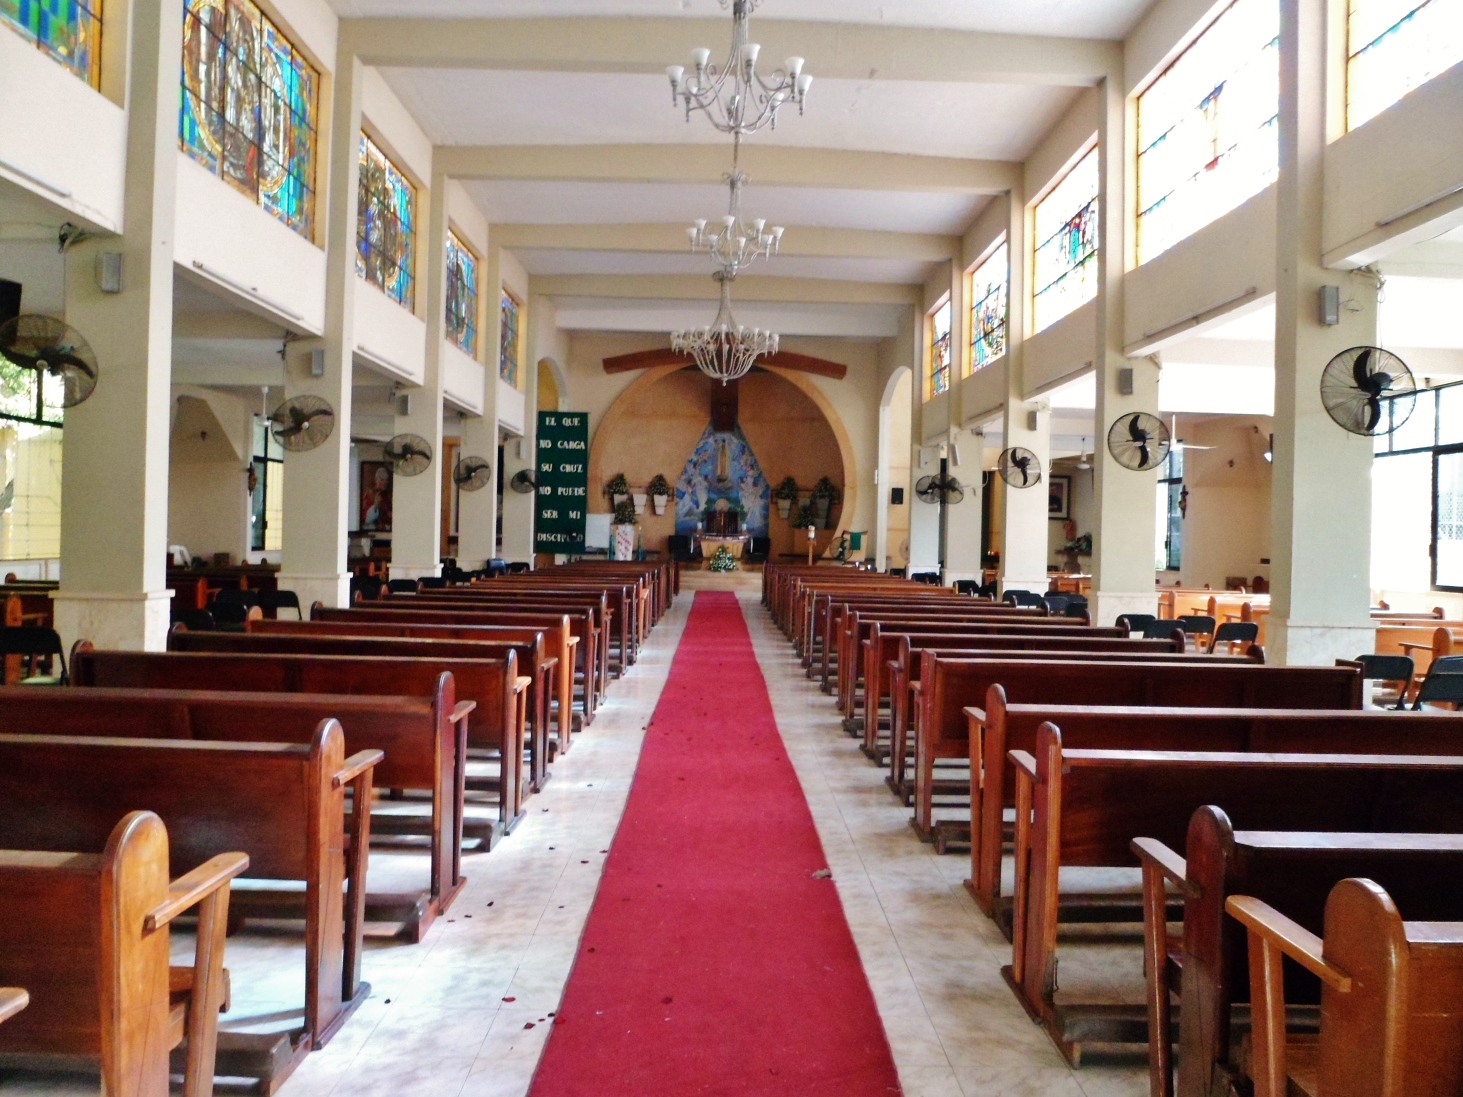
709,544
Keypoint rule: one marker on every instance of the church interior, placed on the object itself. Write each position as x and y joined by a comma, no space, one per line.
692,491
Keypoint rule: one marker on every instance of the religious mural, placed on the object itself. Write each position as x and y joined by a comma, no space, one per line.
722,466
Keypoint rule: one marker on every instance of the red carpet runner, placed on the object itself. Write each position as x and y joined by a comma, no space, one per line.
714,962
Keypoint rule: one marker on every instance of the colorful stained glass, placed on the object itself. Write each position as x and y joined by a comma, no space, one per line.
462,295
940,348
1065,267
988,308
386,230
248,111
1394,46
69,30
508,340
1208,127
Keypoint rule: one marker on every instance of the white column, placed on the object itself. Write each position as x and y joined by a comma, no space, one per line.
317,483
1025,423
1321,550
1122,538
520,510
964,532
416,505
114,466
477,511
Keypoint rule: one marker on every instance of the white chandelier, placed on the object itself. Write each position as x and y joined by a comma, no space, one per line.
726,350
736,98
735,243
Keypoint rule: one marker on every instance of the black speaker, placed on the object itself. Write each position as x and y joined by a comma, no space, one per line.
896,497
9,300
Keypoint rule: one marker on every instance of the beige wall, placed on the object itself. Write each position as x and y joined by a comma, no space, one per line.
1227,530
208,497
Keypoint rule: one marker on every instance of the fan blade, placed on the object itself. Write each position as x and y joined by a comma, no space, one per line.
23,360
1143,454
59,361
1373,413
1359,372
1135,432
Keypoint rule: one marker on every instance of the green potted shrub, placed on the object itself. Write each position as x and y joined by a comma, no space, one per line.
659,490
825,495
624,513
624,533
806,516
786,494
618,489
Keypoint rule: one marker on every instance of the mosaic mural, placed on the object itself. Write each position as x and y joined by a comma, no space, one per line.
722,466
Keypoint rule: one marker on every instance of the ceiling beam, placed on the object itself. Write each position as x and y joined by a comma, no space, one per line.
800,242
835,51
765,165
664,356
762,288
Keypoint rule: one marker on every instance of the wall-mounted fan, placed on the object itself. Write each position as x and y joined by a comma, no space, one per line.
1139,441
1356,381
408,454
472,473
302,423
942,488
1019,467
523,482
54,350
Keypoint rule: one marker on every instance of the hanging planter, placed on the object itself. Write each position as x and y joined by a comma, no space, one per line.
640,502
825,494
660,492
785,494
618,489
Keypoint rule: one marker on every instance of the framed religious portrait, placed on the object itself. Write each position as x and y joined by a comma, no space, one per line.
1059,497
375,496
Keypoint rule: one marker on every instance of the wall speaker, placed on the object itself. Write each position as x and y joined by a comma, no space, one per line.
317,362
1125,381
1330,305
1033,420
896,497
109,271
403,404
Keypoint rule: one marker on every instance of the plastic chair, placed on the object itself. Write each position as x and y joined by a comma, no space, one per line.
1161,630
1196,626
1024,598
1076,607
929,578
967,586
368,588
1444,682
1235,632
431,582
35,643
1135,622
237,597
195,620
230,616
402,586
272,601
1389,668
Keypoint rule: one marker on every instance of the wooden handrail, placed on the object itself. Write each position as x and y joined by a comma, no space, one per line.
193,887
1293,939
356,765
12,1001
1151,851
460,711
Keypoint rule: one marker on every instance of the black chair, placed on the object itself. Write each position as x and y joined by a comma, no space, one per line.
1025,598
1057,602
1235,632
272,601
1135,622
928,578
967,586
402,586
36,645
368,587
519,567
194,620
237,597
1161,630
1389,668
680,548
1444,682
1076,606
230,616
431,582
759,549
1194,625
898,573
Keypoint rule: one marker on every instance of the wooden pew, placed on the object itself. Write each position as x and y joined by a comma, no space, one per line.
816,624
1390,1017
630,596
282,804
495,733
88,934
625,606
1292,871
1082,808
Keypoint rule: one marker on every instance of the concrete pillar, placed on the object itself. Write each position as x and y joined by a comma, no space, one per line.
1321,539
114,466
477,511
1025,423
416,536
964,533
520,510
1122,538
317,483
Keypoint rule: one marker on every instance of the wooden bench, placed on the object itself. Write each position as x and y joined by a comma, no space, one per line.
1082,808
1391,1021
830,622
1292,871
282,804
629,603
88,934
816,619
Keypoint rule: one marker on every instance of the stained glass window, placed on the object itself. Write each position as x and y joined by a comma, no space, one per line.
988,309
386,231
1208,127
1394,46
1065,270
462,295
940,347
69,30
508,341
248,111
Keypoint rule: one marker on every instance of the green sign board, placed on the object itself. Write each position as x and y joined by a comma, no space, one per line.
563,481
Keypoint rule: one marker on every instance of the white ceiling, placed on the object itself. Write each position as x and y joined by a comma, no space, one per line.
547,261
554,203
493,107
630,314
1077,18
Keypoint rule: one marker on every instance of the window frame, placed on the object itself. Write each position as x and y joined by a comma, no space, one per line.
1437,448
513,368
944,305
1092,256
92,16
469,324
977,333
1350,56
405,261
1172,557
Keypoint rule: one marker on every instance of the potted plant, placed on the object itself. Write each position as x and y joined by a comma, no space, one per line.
722,560
659,490
786,494
806,516
618,489
622,541
825,495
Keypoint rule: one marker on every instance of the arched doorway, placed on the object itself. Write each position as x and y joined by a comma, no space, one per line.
892,518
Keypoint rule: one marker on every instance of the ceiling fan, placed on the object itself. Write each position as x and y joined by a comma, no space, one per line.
1179,443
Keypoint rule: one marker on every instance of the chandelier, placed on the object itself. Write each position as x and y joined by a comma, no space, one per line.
726,350
737,98
735,243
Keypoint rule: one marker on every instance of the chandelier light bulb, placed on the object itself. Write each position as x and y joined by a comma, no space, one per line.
794,66
735,96
750,52
726,350
701,58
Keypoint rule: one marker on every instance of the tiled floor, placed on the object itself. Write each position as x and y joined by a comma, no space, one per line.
465,1013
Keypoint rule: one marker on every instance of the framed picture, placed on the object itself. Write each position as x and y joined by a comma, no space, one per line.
1059,497
375,496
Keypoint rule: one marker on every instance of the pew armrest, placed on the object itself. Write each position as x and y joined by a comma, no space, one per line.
1294,940
356,765
1153,853
459,713
193,887
12,1001
521,683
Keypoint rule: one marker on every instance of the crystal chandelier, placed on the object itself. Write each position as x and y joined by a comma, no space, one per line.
735,243
726,350
737,98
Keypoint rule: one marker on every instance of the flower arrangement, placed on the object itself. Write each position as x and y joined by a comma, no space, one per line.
806,516
1082,546
788,489
825,489
624,513
658,485
722,560
618,487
